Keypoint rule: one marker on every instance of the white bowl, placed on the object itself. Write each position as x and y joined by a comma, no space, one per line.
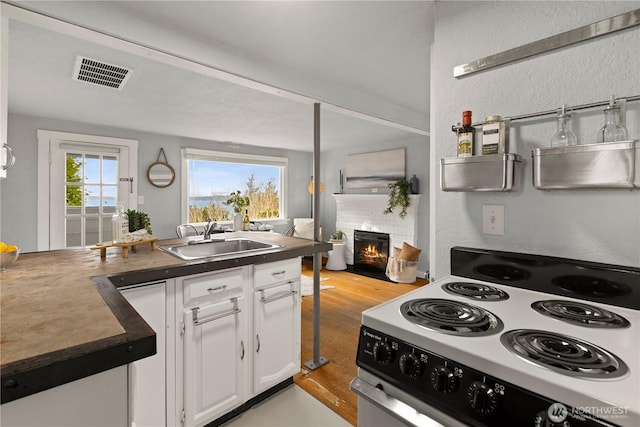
8,258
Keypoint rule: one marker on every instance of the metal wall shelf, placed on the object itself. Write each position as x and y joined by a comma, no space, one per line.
609,165
613,165
495,172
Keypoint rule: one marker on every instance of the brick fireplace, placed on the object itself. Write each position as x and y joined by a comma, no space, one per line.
364,212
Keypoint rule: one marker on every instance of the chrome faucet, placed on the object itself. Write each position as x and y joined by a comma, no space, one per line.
207,229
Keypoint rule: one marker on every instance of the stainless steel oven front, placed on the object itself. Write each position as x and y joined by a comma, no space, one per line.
380,404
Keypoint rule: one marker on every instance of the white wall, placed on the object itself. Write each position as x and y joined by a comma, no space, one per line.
597,225
18,192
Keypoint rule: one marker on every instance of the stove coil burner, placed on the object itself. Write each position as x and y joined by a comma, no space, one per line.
563,354
451,317
475,291
580,314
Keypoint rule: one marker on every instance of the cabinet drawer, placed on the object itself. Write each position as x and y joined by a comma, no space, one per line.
212,286
276,272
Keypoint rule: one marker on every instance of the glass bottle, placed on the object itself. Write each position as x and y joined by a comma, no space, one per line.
563,136
466,136
612,130
119,224
245,220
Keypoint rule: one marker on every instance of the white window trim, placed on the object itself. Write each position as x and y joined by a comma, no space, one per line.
45,137
194,153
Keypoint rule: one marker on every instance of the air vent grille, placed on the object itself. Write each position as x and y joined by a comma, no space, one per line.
100,73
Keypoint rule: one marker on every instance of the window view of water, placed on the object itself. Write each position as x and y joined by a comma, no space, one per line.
92,201
203,201
210,184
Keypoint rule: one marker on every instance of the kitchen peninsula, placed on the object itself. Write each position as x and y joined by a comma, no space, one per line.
63,317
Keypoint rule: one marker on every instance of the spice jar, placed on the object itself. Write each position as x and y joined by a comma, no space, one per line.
494,139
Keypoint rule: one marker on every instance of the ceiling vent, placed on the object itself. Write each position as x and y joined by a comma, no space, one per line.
100,73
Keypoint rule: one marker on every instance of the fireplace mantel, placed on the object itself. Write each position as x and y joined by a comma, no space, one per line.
365,212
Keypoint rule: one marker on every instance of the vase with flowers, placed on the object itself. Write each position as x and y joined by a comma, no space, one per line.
239,203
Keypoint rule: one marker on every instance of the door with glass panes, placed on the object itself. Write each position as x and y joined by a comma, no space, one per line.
87,182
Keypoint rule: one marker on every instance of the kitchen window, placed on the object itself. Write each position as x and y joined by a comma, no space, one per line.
209,177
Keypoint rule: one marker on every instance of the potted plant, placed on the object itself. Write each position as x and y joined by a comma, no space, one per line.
338,235
399,196
138,220
239,203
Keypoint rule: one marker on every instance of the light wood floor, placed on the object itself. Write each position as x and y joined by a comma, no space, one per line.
340,309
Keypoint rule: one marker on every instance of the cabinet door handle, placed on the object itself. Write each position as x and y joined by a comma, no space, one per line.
258,341
234,310
217,289
276,296
279,274
10,160
242,346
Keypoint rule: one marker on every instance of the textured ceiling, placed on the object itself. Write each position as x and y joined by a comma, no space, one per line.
369,57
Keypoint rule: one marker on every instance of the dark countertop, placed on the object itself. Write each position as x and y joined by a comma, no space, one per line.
63,318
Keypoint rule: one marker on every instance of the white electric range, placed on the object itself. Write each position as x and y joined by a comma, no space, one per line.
506,340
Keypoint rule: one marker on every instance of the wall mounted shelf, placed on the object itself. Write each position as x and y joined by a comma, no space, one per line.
614,165
495,172
611,165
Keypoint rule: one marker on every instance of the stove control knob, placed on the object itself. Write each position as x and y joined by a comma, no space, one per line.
482,398
382,353
410,365
443,379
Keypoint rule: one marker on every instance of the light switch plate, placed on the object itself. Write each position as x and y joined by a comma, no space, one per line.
493,219
141,200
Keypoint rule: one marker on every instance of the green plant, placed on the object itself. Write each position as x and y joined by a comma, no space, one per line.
338,235
399,196
138,221
74,192
238,201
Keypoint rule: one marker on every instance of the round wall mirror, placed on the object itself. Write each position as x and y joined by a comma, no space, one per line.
161,174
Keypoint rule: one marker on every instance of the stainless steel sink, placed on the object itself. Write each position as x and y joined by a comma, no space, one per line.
216,248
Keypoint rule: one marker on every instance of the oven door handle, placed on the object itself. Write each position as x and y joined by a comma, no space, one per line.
392,406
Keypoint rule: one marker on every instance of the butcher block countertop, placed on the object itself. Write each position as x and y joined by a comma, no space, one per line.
62,317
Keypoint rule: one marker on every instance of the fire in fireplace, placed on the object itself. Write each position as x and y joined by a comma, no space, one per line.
370,253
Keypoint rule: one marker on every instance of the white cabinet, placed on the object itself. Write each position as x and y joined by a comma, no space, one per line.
4,86
272,273
277,334
276,322
98,400
240,336
149,405
216,364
